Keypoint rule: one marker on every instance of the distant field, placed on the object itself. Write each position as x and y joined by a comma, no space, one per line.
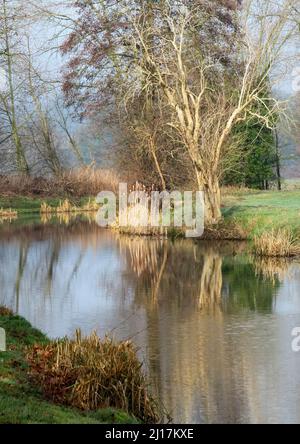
291,184
260,211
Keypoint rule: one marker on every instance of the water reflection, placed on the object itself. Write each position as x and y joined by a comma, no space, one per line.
213,324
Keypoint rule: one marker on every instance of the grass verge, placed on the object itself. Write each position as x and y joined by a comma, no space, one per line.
20,402
258,212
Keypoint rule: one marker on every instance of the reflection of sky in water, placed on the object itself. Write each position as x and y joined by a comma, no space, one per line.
215,336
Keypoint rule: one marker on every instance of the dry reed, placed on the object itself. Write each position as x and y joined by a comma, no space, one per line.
276,243
90,373
4,311
65,207
8,215
84,181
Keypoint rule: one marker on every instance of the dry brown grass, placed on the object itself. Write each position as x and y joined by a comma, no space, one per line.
277,243
84,181
233,232
66,207
4,311
8,215
90,373
231,190
87,181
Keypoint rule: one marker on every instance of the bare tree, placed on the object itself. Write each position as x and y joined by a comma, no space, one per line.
205,114
8,17
162,56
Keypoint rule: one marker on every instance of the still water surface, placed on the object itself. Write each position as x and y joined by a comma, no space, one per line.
214,326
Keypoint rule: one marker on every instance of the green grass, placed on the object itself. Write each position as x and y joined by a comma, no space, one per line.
20,402
31,205
263,211
257,211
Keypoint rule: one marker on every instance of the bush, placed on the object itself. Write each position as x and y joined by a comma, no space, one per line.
90,373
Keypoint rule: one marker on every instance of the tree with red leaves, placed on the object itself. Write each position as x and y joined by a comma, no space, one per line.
100,46
180,74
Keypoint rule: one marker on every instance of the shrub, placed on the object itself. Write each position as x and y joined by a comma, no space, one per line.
90,373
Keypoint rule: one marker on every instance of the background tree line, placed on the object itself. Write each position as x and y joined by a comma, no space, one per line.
185,89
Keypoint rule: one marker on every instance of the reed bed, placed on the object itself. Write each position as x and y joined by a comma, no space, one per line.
65,207
8,215
276,243
137,224
89,373
84,181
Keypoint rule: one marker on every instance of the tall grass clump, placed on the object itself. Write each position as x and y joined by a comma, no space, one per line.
4,311
90,373
8,215
277,243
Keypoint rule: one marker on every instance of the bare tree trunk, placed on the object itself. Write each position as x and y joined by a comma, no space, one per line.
279,186
22,164
49,152
157,165
212,197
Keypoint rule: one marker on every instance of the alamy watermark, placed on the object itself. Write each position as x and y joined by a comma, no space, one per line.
2,340
296,79
296,341
140,208
3,80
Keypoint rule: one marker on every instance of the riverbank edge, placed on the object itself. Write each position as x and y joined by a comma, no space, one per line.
246,213
20,402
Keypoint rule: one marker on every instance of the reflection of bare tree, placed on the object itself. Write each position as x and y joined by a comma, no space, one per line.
20,271
179,299
54,258
147,259
37,252
210,280
186,272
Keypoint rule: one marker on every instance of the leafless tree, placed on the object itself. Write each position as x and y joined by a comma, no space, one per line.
204,114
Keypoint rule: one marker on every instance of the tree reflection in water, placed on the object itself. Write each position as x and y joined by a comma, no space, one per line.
200,306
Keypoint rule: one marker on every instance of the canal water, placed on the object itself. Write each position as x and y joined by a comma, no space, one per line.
214,325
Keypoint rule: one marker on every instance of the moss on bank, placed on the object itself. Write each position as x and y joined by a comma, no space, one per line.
20,402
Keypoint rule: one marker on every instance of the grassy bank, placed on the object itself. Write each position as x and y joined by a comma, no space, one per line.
20,402
32,205
259,212
255,212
